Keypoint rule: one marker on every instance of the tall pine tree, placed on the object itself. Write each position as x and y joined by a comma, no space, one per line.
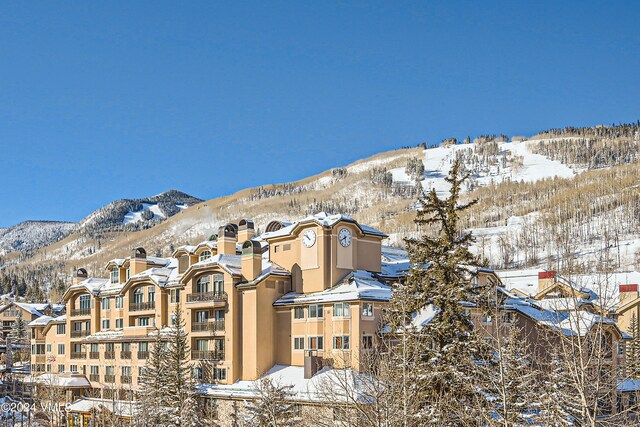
152,396
633,349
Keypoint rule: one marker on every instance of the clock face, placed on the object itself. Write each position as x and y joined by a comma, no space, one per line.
344,236
309,238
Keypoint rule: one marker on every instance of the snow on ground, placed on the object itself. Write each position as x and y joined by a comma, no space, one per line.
437,163
131,217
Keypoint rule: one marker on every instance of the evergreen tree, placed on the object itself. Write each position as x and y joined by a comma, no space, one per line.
273,406
153,401
633,349
19,338
447,344
181,392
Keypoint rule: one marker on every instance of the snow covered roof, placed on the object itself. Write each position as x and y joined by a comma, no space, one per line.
233,265
325,384
358,285
59,380
159,275
41,321
33,308
324,220
628,385
92,285
158,261
123,408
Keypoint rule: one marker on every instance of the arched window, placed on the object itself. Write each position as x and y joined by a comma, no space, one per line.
202,285
115,275
205,255
137,295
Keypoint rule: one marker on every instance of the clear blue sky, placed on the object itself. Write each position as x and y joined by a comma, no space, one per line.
105,100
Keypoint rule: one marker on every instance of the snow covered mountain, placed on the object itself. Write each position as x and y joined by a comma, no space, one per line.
30,235
563,196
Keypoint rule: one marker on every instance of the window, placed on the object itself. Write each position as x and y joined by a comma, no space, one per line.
316,343
110,347
202,285
298,343
137,296
125,346
620,348
143,346
297,411
143,321
128,275
77,348
151,294
60,368
85,302
48,367
119,323
114,275
507,317
125,371
298,312
219,315
485,318
315,310
119,302
204,255
48,348
94,370
341,309
60,348
218,283
367,342
109,370
367,309
197,373
94,347
341,342
219,374
73,368
175,295
286,247
60,329
105,303
105,323
202,316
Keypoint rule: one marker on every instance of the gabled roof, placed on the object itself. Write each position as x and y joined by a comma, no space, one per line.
36,309
91,285
324,220
358,285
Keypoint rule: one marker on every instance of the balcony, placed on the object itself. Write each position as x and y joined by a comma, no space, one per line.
125,379
211,326
94,377
109,354
75,312
109,378
141,306
80,334
207,355
143,355
94,355
125,355
207,296
77,355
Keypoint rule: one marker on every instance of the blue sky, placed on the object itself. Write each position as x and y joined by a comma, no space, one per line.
105,100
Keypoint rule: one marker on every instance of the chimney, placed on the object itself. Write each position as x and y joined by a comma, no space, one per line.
79,276
251,259
138,262
246,230
628,292
546,279
227,239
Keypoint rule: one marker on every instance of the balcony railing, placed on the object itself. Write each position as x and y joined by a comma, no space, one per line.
77,355
207,355
109,354
207,296
211,326
140,306
94,377
125,355
125,379
80,334
109,378
143,355
80,312
94,355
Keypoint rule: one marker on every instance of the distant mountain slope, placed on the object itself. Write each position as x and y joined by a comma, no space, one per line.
30,235
539,204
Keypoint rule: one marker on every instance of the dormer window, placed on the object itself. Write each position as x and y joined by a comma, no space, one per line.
205,255
115,275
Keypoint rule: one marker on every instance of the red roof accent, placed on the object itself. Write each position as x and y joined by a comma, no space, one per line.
629,288
546,275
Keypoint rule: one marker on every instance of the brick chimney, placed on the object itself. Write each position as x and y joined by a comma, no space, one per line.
80,275
227,239
138,262
246,230
251,259
546,279
628,292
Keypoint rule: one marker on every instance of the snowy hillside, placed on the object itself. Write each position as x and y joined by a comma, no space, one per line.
148,212
32,234
488,162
